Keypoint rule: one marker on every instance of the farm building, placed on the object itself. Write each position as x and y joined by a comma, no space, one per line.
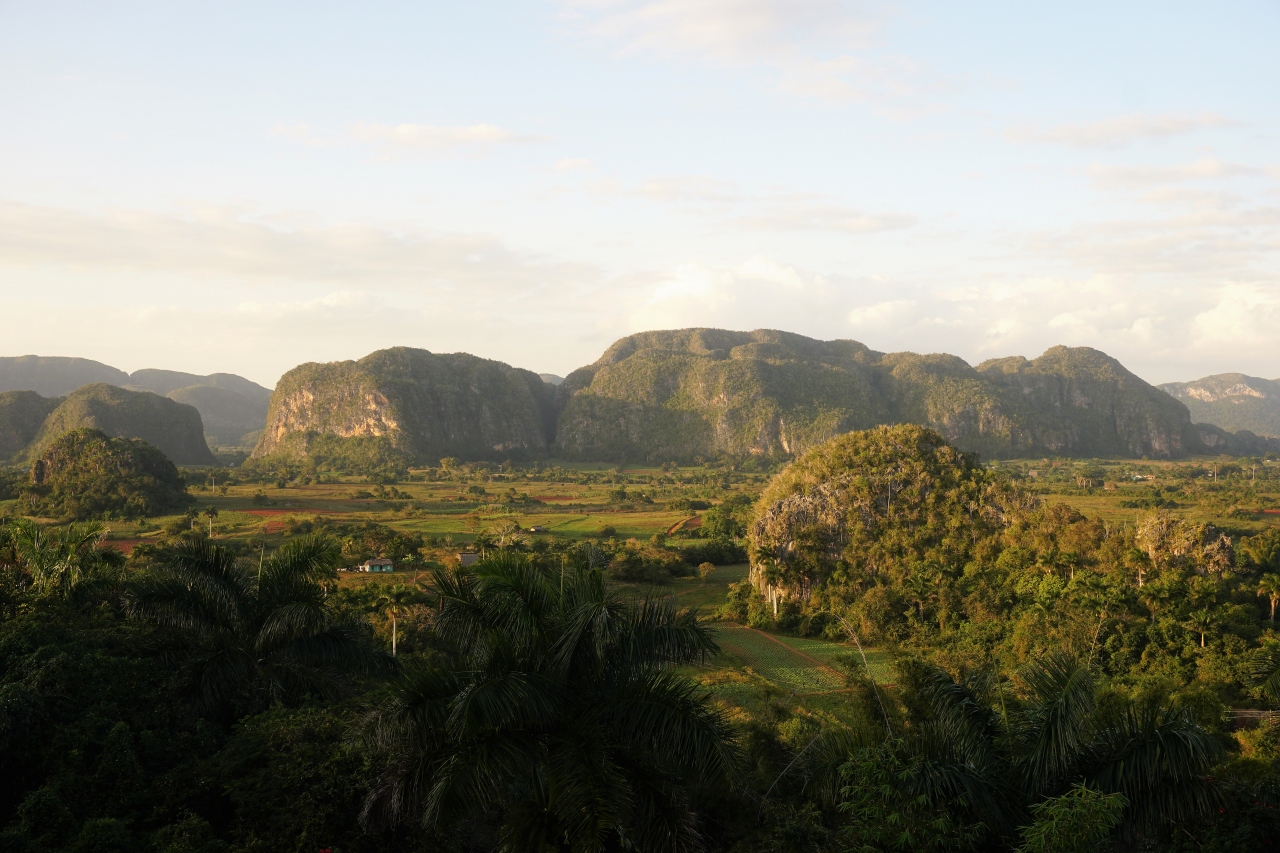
379,564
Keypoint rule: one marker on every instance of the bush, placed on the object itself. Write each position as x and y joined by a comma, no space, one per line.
647,563
720,552
706,570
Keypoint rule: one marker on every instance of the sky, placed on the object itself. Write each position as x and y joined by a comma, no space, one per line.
246,186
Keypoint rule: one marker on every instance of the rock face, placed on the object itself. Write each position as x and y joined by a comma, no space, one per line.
1242,443
1077,401
171,426
676,395
427,404
1232,401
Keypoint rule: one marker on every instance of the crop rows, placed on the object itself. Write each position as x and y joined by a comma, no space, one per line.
779,663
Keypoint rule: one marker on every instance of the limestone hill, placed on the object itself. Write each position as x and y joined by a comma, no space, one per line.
1232,401
22,413
173,427
704,392
54,376
85,473
232,408
423,403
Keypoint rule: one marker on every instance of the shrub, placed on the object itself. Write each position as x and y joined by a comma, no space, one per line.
720,552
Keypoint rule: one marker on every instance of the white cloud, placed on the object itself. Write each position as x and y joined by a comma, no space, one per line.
1120,131
301,134
882,312
816,213
218,243
401,138
814,48
699,191
1243,315
574,164
1206,168
1172,297
776,212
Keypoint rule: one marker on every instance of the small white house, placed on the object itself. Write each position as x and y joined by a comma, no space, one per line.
378,564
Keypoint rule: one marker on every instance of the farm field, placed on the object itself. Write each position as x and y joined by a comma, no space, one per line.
798,666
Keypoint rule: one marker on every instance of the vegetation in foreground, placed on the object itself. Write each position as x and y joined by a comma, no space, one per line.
1050,656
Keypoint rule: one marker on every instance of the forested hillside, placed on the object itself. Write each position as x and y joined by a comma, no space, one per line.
232,408
1232,401
925,653
170,425
55,376
677,394
421,403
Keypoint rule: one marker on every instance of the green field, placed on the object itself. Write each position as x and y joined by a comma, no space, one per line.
803,666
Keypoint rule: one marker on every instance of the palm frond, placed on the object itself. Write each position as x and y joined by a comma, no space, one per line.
1053,726
664,714
1264,670
1159,757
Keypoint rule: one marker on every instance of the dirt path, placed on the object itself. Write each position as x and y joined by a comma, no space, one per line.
673,528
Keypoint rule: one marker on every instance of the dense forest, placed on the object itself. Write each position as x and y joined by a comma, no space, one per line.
1055,682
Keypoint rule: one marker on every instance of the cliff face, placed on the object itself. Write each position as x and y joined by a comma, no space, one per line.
1081,402
700,392
427,404
1232,401
173,427
679,394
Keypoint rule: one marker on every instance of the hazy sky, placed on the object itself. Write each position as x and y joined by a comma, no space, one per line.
244,186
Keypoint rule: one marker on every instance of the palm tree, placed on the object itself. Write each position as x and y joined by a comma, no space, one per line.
559,711
394,601
1269,586
59,561
210,512
251,638
1201,621
987,761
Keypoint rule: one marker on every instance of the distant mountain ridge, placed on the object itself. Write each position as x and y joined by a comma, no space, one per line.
685,394
1232,401
231,407
29,423
703,392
